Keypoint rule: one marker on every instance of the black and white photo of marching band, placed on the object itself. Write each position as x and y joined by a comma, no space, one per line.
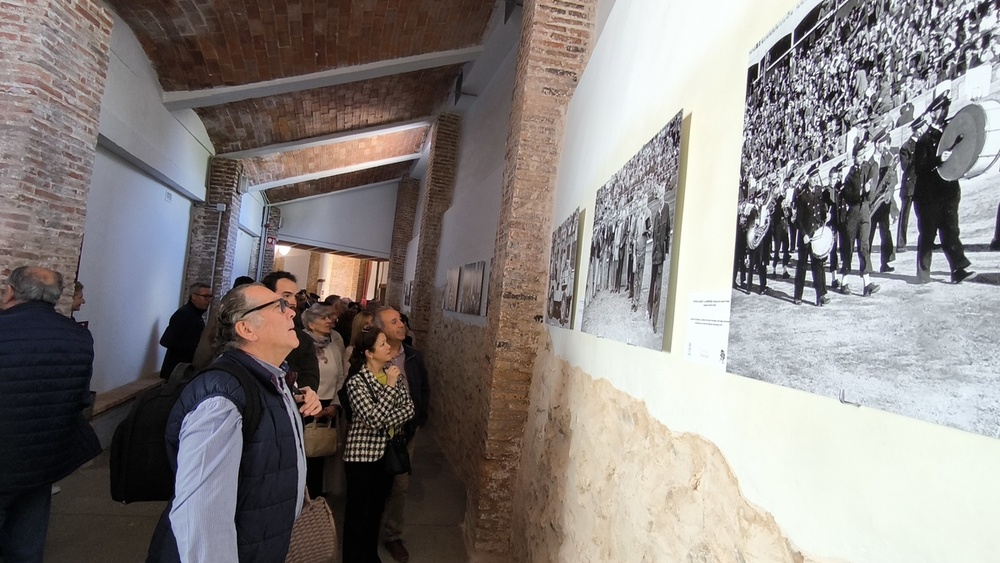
629,264
451,290
470,288
562,272
866,264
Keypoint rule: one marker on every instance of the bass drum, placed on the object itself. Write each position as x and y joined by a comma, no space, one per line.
821,243
973,136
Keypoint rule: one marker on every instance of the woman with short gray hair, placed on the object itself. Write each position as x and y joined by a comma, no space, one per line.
317,321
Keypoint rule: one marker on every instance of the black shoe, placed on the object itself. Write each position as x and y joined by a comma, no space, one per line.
845,289
961,274
871,289
785,275
835,284
822,301
885,269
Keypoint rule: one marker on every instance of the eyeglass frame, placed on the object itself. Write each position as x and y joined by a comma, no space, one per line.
283,304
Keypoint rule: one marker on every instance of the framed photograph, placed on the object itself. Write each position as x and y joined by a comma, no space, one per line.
865,265
451,290
471,288
629,264
562,272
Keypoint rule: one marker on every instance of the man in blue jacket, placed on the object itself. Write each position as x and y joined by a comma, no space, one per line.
46,360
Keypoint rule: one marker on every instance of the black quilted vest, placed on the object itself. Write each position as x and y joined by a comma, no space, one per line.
268,480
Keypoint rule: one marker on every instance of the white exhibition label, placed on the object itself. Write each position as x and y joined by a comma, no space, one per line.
708,328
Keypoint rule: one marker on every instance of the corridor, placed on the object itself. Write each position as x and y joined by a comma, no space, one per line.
88,527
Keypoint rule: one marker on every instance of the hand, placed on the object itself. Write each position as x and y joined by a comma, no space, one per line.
310,402
392,375
328,412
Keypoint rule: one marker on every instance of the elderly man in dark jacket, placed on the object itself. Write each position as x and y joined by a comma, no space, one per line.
46,360
184,329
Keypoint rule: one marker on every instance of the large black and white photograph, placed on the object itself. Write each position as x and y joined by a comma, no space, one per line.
562,272
630,249
451,290
866,264
470,288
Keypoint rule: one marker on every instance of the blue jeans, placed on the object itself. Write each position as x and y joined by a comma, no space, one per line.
24,523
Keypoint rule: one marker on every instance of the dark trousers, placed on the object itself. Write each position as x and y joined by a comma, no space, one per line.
934,218
758,263
24,523
880,221
835,249
904,222
816,265
314,465
855,235
368,488
780,243
740,257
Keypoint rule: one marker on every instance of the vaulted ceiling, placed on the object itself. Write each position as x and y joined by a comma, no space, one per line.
313,96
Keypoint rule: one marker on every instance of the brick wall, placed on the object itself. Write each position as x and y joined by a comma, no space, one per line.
271,230
402,233
439,187
342,279
53,66
212,242
555,42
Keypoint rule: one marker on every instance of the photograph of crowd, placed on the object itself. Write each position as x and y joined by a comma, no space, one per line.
629,260
562,272
470,288
868,117
451,290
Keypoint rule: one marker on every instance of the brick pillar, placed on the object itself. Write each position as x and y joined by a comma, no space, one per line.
555,42
440,185
360,286
53,66
314,261
270,231
212,242
402,233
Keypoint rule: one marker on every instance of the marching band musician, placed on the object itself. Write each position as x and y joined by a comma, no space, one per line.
882,203
838,217
810,217
779,229
935,202
907,162
758,255
857,230
740,256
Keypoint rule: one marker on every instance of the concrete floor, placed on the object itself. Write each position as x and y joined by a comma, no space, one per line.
88,527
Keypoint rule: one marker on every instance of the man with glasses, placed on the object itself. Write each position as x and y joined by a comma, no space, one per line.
236,500
303,363
184,330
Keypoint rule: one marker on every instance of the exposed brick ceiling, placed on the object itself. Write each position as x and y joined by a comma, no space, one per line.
337,183
197,44
200,45
259,122
263,169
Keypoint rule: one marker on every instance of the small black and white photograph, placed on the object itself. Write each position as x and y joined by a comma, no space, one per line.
451,290
470,292
407,289
562,272
630,250
866,263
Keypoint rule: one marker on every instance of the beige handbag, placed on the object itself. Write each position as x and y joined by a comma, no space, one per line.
320,438
314,535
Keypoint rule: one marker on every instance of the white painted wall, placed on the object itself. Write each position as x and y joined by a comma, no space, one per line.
841,481
468,229
358,220
135,242
252,212
297,263
173,147
132,264
241,262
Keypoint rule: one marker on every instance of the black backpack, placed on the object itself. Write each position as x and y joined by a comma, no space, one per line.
140,469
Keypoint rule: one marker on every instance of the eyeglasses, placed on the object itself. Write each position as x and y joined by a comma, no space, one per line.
203,296
282,304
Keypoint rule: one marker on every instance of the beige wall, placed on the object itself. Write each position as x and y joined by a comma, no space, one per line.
637,455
